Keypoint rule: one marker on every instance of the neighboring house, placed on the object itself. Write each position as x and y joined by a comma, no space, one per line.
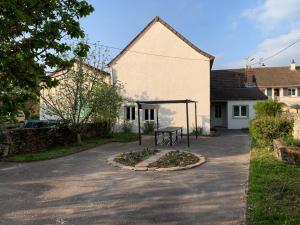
160,64
60,75
278,83
232,99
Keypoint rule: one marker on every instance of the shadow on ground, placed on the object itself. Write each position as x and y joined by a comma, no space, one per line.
84,189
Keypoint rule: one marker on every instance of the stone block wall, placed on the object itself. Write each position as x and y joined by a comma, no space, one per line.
39,139
287,153
296,130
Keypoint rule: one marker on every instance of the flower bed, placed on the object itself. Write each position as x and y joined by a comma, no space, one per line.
133,158
175,159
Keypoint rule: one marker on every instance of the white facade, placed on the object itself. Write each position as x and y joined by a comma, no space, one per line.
171,70
239,122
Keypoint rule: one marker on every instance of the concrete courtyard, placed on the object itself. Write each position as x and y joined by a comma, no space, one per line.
82,189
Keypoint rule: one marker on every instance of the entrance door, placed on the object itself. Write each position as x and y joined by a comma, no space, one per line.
219,114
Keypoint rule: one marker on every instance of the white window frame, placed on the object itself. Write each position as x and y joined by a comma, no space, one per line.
149,114
132,113
290,92
240,111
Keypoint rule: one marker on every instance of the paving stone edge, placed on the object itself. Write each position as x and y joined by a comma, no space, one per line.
202,160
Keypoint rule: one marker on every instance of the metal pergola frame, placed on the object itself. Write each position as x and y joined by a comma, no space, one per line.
159,102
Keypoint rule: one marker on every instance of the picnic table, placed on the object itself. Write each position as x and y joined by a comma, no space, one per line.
171,132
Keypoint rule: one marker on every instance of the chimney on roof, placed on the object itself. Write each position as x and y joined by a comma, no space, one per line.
293,65
250,77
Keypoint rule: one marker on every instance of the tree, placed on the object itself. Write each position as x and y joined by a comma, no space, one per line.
33,36
82,96
268,108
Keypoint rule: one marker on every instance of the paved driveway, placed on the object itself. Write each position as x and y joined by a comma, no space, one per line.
83,189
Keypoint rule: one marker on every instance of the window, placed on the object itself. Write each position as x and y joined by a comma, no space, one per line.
240,111
291,91
130,112
218,111
276,92
149,114
269,92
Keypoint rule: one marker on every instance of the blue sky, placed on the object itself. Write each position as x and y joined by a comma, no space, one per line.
231,30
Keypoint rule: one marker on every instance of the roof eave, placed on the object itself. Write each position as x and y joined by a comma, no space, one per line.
158,19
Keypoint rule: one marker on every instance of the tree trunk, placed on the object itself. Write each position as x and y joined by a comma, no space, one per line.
78,136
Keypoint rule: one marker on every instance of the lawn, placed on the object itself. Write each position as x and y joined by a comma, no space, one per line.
274,190
67,150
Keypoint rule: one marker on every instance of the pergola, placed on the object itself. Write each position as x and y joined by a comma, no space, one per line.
154,105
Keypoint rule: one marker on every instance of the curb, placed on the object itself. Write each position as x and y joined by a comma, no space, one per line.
201,158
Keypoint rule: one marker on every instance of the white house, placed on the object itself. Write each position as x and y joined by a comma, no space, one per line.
160,64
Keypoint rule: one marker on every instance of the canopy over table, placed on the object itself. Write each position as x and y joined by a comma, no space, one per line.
155,105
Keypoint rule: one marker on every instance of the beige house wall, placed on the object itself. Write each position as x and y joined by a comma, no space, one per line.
61,75
183,75
287,100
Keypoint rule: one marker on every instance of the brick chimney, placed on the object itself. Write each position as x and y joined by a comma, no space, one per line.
249,77
293,65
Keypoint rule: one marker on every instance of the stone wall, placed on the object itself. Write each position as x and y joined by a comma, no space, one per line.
296,130
287,153
39,139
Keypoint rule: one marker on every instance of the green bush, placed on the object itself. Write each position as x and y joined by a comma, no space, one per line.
264,129
268,108
148,127
199,131
127,127
291,141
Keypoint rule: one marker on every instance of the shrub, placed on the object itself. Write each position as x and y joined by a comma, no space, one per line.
291,141
199,131
265,129
148,127
268,108
127,127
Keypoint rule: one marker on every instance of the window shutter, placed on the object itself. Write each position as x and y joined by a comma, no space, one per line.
298,91
285,92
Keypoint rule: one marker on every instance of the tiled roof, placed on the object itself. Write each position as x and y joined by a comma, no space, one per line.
230,85
276,77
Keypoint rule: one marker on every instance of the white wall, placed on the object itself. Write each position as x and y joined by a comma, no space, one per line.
148,77
239,123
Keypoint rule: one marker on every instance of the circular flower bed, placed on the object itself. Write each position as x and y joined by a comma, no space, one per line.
159,160
133,158
175,159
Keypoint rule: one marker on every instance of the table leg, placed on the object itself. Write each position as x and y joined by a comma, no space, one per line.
181,133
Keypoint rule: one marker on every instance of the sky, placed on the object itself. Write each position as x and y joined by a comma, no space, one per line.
231,30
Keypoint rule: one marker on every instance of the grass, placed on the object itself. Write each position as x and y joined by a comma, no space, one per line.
291,141
133,158
274,190
67,150
175,158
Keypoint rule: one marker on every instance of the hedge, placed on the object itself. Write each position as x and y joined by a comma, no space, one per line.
265,129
